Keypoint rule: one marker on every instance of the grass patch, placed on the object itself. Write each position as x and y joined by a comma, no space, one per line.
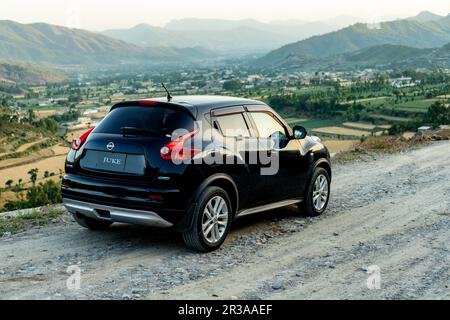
380,145
27,221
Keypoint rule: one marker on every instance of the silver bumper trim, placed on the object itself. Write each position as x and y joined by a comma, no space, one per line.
139,217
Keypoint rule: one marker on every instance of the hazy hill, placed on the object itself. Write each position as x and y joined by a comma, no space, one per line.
359,36
27,73
227,36
426,16
385,56
44,43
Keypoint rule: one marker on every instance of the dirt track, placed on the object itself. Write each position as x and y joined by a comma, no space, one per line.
392,212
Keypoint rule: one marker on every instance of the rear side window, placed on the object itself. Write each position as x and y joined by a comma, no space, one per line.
163,120
233,125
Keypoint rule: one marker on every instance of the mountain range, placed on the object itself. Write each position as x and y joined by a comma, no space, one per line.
386,56
414,39
423,31
49,44
185,40
228,36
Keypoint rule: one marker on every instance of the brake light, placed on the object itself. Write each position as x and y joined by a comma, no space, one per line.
147,102
77,143
175,150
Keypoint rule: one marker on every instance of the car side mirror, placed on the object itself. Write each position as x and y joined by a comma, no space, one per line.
300,132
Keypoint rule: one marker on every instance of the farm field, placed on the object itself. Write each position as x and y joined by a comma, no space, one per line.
35,156
337,146
317,123
52,164
42,114
341,131
7,196
375,99
389,118
359,125
413,106
290,119
26,146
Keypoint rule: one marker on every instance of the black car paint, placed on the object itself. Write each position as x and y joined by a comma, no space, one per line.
247,189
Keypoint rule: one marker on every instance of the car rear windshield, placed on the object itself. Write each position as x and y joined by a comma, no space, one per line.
160,119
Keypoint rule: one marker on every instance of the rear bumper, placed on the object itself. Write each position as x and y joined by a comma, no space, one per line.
116,214
128,203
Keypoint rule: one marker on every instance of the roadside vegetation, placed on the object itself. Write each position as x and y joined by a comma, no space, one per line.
35,218
371,147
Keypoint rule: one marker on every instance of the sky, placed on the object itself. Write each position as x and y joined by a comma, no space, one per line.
99,15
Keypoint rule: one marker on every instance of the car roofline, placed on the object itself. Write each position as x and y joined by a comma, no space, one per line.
194,107
192,110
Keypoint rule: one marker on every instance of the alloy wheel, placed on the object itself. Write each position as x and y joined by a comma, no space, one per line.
320,192
215,219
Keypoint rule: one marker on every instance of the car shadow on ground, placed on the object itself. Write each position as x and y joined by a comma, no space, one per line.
137,237
262,218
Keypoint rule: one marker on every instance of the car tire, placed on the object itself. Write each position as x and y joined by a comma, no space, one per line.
209,231
91,224
313,206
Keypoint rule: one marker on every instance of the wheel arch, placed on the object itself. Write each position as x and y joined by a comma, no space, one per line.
321,162
325,164
220,180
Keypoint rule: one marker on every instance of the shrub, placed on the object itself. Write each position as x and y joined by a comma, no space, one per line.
43,194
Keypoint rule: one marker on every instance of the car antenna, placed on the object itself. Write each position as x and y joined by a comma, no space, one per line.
169,96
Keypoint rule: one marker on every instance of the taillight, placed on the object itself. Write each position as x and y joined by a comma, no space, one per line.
175,150
77,143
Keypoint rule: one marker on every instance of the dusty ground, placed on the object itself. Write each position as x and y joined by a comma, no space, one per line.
392,212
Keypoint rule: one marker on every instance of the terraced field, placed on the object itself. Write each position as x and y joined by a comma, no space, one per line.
27,146
389,118
359,125
341,131
317,123
51,164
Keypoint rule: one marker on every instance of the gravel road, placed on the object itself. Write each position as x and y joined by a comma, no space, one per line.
390,214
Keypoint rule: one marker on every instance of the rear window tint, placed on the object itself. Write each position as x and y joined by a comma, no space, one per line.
164,120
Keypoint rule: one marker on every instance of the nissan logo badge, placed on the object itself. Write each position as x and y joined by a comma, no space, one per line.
110,146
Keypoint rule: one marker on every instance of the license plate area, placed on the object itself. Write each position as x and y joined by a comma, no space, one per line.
104,161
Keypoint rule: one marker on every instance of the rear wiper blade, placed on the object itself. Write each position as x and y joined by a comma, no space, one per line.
140,131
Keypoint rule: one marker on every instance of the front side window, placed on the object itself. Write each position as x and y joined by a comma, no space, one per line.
233,125
267,126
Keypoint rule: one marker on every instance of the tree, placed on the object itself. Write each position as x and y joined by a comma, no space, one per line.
9,184
31,116
438,114
33,175
232,85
